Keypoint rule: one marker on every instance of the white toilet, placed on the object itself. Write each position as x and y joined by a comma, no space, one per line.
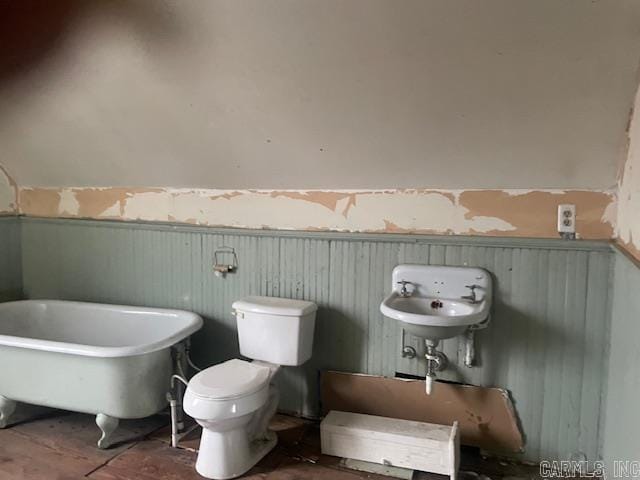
234,401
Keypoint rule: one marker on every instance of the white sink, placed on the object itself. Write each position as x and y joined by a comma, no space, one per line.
433,306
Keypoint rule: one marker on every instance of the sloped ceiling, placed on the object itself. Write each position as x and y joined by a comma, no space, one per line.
318,93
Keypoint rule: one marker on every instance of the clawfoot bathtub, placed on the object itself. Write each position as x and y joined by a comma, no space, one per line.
111,361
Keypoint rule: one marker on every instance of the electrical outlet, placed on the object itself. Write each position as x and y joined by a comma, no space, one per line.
566,219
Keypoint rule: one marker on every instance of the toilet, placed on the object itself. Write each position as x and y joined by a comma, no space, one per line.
235,400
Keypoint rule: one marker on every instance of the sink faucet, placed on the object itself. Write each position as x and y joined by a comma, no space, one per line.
403,291
472,297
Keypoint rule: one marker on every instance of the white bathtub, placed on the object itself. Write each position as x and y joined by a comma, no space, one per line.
112,361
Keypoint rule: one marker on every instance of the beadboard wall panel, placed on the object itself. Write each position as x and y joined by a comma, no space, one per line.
10,259
621,436
545,343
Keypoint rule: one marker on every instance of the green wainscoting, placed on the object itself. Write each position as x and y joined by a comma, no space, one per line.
546,343
622,433
10,259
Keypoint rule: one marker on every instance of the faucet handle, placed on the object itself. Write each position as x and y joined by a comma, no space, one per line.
404,284
403,291
472,297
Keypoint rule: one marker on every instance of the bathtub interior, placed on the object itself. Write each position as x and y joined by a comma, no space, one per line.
94,325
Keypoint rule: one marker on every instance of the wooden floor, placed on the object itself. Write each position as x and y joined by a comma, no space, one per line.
61,446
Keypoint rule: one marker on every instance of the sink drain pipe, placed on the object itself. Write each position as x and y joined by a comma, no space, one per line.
436,362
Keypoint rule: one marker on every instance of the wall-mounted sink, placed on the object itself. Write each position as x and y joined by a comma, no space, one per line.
432,317
439,302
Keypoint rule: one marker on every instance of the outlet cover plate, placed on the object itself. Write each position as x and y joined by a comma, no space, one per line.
566,218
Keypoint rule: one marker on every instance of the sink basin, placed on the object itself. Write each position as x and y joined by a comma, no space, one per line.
434,318
433,307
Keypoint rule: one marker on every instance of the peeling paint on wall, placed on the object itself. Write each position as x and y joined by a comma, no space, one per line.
628,222
525,210
8,193
518,213
44,202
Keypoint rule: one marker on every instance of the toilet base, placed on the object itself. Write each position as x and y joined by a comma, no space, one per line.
224,455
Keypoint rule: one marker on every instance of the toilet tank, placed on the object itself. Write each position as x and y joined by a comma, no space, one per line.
275,330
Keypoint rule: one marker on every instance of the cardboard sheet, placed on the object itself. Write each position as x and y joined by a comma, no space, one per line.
485,415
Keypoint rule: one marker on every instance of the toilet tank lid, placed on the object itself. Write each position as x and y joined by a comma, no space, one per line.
275,306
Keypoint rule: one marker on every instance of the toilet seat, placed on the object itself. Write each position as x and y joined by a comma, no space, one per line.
230,389
229,380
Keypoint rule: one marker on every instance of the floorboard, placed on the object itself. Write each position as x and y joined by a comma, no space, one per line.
62,446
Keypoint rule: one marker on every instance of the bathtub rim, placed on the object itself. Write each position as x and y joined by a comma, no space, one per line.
195,323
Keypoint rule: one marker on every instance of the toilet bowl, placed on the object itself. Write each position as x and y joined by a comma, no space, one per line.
235,400
233,403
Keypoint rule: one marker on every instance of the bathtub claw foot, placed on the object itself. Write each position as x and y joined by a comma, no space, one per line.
108,425
7,407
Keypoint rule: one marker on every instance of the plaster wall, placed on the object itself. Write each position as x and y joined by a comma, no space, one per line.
8,194
317,94
628,223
